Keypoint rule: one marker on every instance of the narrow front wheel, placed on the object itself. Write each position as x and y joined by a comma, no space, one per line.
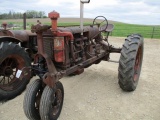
51,102
32,100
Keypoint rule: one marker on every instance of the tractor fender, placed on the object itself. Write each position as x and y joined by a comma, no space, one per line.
15,35
9,39
22,35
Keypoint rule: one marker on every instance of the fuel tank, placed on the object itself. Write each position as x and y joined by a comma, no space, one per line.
92,30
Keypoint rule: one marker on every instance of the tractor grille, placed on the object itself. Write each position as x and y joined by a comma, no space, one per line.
48,46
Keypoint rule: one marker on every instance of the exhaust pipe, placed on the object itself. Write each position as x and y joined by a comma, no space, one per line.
24,21
82,2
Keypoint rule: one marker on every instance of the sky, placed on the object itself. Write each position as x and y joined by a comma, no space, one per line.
145,12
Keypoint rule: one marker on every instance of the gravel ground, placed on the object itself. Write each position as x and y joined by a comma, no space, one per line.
96,95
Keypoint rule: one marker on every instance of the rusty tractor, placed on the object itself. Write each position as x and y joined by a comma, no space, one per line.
61,51
69,50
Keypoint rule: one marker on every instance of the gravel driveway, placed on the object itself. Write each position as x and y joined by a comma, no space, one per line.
96,95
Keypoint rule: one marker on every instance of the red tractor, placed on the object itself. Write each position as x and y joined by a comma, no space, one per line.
61,51
68,50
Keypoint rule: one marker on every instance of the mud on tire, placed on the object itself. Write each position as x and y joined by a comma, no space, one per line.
12,58
130,62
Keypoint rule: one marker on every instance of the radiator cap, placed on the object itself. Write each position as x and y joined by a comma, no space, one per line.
53,15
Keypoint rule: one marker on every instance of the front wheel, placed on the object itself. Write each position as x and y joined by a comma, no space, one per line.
32,100
130,62
52,102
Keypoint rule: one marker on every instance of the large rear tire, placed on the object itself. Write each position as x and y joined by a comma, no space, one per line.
52,102
32,100
130,62
12,58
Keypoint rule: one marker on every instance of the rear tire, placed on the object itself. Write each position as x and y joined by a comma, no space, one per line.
52,102
130,62
32,100
12,58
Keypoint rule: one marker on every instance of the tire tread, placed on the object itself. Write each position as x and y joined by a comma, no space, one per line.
126,62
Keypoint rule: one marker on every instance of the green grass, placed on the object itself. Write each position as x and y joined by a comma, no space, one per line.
120,29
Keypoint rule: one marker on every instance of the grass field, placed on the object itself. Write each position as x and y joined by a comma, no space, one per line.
120,29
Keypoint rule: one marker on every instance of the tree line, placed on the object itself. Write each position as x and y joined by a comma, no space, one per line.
19,15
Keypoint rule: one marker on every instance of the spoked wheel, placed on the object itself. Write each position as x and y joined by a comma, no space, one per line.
32,98
12,58
52,102
9,68
130,62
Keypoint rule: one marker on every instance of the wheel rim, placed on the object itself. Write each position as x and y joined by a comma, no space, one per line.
138,63
8,69
38,98
56,105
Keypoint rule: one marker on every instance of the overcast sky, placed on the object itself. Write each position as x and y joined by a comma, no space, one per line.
128,11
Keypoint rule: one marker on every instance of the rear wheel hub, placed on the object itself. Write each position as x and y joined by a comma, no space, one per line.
8,71
9,67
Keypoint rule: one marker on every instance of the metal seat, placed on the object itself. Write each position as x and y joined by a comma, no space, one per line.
109,28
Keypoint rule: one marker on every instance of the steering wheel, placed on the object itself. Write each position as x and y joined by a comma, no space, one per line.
102,25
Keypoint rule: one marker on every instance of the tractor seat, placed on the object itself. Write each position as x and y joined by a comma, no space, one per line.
109,28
